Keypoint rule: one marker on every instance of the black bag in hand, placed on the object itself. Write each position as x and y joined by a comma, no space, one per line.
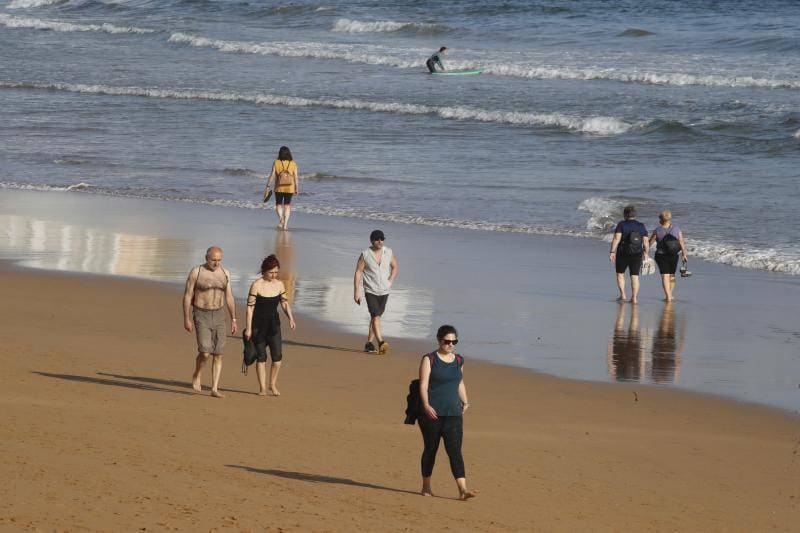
249,354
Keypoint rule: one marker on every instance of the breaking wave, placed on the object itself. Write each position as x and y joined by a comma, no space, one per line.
385,26
591,125
29,4
12,21
379,55
605,212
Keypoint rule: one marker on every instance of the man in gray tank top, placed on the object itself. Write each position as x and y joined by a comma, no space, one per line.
377,269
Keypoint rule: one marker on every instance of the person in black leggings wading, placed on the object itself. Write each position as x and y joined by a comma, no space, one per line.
444,401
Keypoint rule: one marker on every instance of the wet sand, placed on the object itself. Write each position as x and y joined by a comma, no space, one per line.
536,302
100,430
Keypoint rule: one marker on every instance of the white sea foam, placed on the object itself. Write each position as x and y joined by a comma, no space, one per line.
379,55
604,212
381,26
28,4
653,78
796,134
355,54
591,125
12,21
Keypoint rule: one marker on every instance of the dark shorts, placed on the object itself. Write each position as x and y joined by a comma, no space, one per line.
376,304
431,65
275,347
283,198
629,262
667,263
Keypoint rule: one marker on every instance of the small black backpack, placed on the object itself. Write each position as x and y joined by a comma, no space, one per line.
669,245
632,243
414,400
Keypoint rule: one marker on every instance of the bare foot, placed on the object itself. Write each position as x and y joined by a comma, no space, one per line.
196,383
622,298
466,495
634,301
262,393
424,492
217,394
274,390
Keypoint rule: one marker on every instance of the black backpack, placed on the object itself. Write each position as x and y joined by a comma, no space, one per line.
669,244
414,400
632,243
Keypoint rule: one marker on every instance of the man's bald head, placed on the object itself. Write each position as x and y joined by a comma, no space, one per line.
213,257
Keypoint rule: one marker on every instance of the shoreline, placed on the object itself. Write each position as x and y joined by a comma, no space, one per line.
554,297
351,342
105,396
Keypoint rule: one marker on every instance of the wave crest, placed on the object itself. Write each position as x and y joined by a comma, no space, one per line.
344,25
29,4
591,125
12,21
377,55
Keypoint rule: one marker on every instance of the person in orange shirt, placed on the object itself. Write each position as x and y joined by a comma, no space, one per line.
284,176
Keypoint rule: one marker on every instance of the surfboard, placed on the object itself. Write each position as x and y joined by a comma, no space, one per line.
458,72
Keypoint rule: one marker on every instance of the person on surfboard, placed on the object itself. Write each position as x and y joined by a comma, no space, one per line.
436,59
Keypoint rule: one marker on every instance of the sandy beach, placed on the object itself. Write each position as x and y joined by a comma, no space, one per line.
101,431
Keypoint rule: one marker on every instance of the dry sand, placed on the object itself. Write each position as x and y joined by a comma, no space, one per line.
100,430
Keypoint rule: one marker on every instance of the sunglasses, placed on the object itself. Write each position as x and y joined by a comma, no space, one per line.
448,341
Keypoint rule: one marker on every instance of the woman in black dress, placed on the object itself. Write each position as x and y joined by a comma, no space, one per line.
264,323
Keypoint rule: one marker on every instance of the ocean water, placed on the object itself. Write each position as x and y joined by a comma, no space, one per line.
586,106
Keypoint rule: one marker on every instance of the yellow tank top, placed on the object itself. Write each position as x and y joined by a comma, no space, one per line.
279,166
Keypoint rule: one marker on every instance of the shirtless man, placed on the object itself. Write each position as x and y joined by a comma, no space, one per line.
208,290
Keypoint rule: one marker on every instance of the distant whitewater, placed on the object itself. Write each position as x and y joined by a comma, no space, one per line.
414,58
592,125
385,26
30,4
12,21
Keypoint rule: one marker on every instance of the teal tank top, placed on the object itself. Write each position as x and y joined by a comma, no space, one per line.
443,386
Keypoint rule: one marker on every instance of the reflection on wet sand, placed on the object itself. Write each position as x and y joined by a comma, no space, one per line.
627,356
408,312
57,246
285,253
668,344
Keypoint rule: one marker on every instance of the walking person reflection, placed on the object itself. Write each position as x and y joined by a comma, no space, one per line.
625,355
668,345
285,252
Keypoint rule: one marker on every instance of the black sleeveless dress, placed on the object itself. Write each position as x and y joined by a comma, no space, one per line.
266,321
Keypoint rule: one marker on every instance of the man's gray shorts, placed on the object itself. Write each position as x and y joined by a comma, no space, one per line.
211,330
376,304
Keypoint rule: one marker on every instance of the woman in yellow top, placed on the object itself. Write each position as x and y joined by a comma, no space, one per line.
284,175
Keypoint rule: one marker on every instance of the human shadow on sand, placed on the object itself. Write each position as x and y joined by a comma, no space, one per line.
322,346
168,382
112,382
315,478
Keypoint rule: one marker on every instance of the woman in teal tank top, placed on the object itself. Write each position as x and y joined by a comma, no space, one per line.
444,401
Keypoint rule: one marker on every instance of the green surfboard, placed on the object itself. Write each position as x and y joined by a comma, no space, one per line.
457,72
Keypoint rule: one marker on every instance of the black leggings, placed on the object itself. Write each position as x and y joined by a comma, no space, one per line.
449,428
275,348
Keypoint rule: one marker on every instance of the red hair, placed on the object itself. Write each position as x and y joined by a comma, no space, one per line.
269,263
